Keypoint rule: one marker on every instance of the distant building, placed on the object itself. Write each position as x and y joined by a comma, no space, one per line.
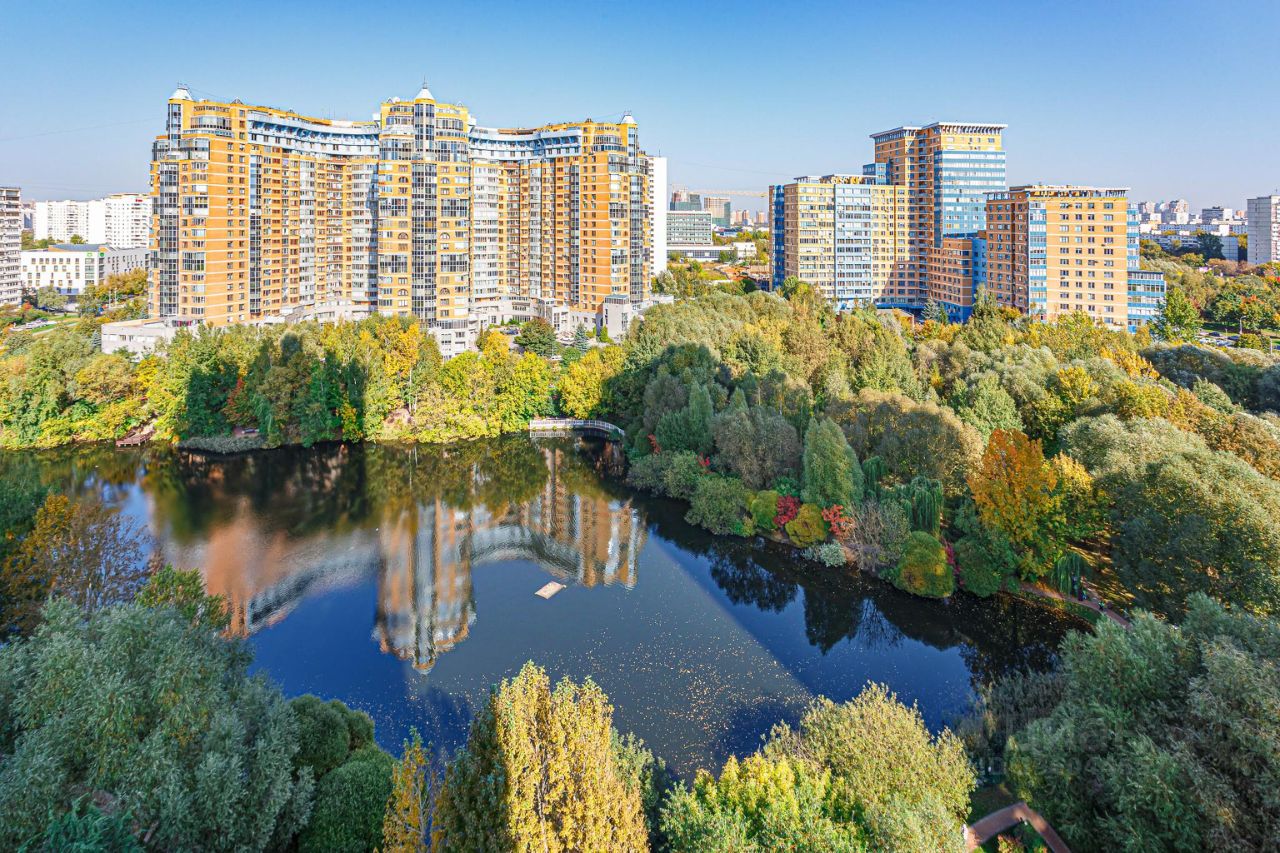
844,234
138,337
71,267
1176,212
688,228
682,199
743,250
1264,229
1054,250
10,245
122,221
658,195
1212,215
719,208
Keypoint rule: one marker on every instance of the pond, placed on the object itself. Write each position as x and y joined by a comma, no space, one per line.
402,580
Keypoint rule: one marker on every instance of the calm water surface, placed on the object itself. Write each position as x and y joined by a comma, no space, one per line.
402,581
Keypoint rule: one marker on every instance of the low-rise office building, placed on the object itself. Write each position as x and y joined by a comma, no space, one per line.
70,268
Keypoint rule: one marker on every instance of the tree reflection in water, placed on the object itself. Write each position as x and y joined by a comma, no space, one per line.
270,528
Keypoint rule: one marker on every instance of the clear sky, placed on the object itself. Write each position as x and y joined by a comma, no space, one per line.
1174,99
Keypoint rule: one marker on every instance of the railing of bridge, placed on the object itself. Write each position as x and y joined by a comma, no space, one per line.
576,425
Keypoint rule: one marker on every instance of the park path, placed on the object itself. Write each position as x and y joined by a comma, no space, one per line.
1090,603
982,831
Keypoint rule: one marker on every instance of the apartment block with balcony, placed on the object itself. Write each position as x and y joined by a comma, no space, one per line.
1264,229
122,221
947,169
844,234
10,245
1055,250
263,214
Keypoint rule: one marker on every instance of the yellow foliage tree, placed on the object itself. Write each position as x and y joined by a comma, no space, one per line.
404,827
539,773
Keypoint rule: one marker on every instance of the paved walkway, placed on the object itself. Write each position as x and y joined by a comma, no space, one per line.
982,831
1090,603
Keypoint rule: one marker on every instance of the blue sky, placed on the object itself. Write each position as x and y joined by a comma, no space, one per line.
1170,98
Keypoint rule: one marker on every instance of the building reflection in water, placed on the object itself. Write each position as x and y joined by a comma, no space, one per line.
421,548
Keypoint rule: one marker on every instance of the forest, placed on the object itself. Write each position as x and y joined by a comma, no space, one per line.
943,458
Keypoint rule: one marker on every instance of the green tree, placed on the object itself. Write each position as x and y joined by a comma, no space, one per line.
719,504
350,803
831,472
539,772
184,591
923,568
163,721
1164,737
1179,320
538,337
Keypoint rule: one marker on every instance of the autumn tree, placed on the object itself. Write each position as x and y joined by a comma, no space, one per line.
539,772
405,828
1020,494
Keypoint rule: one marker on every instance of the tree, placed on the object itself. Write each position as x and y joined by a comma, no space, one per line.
539,771
50,299
923,568
986,406
758,445
1178,530
760,805
886,765
538,337
719,504
581,338
808,527
1163,738
1208,245
1179,320
688,428
405,828
1021,495
158,719
832,473
583,386
350,804
77,240
184,591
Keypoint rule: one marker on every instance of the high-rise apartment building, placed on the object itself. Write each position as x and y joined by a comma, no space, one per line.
10,245
719,207
844,234
1264,229
264,213
122,221
1054,250
947,169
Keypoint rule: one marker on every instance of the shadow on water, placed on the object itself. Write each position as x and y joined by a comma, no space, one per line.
355,571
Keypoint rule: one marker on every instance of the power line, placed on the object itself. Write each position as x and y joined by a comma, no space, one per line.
74,129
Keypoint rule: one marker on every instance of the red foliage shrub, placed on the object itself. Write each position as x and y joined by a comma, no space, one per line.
788,508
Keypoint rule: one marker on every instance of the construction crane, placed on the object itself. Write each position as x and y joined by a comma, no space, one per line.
751,193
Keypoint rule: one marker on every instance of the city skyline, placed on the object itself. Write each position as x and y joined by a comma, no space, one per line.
837,89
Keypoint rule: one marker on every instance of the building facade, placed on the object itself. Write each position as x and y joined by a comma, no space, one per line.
720,208
70,268
10,245
122,221
846,235
689,227
264,214
1055,250
1264,229
947,169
